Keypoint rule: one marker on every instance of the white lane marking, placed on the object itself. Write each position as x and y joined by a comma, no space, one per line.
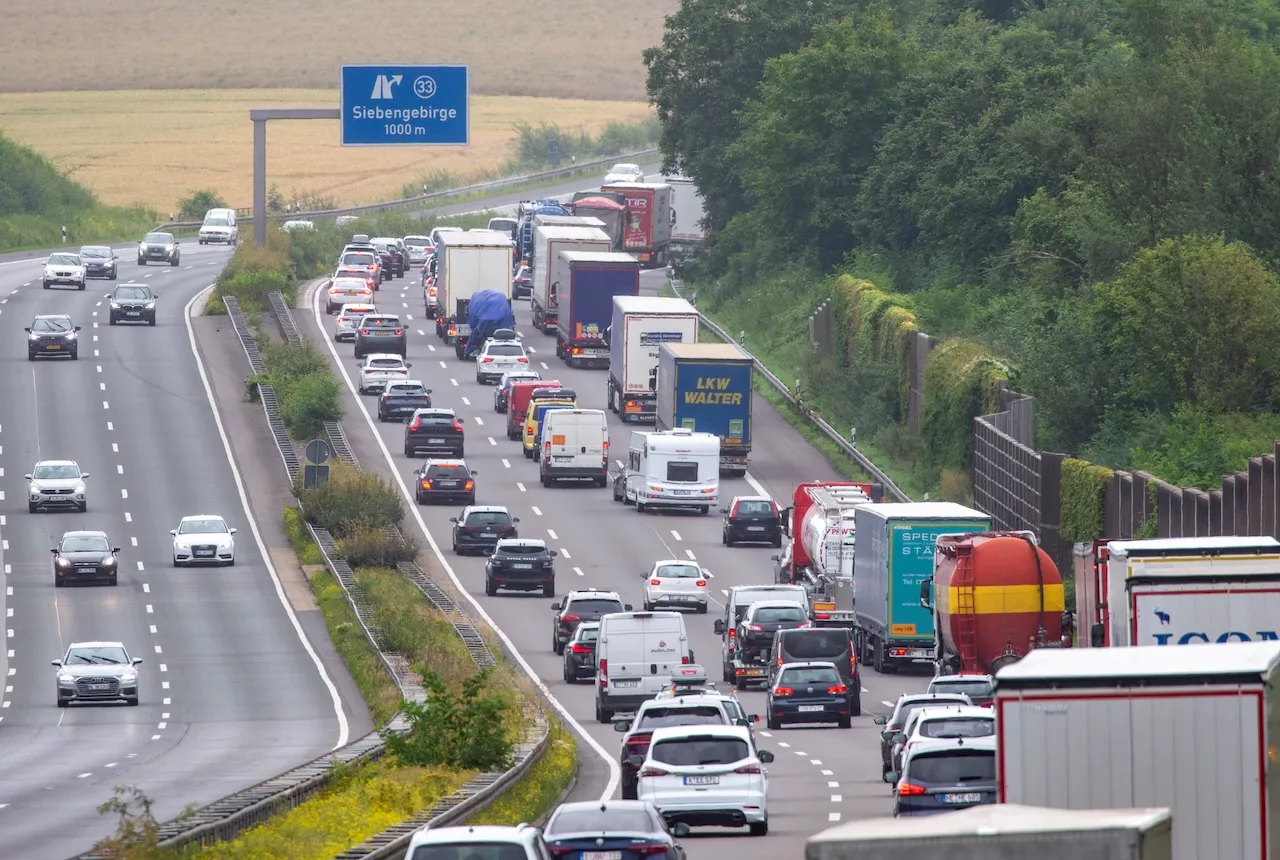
115,447
153,628
493,441
506,464
110,426
675,534
552,533
817,762
158,651
85,775
443,365
140,567
834,816
564,552
344,729
689,553
837,798
421,332
119,469
106,405
827,773
453,381
544,367
537,510
801,754
102,386
150,609
521,487
165,701
99,368
146,588
479,420
133,541
161,726
831,784
164,667
128,517
429,346
111,764
466,402
154,737
784,745
6,544
578,571
886,704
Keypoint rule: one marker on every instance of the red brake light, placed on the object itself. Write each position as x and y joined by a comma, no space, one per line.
650,770
399,332
754,627
782,691
702,583
486,360
655,582
457,425
604,670
732,632
526,361
426,484
364,331
342,319
838,690
747,768
470,485
569,619
647,850
417,422
684,661
910,789
733,511
582,649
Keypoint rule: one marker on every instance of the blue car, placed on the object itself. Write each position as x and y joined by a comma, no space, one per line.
622,829
810,692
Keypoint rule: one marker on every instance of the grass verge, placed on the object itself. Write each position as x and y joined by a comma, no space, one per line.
535,795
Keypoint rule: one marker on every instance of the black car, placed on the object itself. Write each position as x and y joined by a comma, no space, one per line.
808,693
382,333
132,303
942,776
479,528
522,283
52,334
84,557
628,829
521,565
820,644
751,519
580,607
754,637
444,481
502,391
393,256
159,248
99,262
400,400
434,431
580,652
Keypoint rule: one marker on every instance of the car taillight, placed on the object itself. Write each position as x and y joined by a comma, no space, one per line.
399,332
582,649
485,360
373,268
453,330
732,633
639,743
781,661
364,331
426,484
838,690
604,670
782,691
562,850
702,583
684,661
756,628
417,422
470,485
342,319
910,789
432,292
650,770
747,768
569,619
457,425
523,360
853,659
655,582
802,625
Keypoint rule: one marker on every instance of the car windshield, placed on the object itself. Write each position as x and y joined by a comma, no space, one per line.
95,252
85,543
352,312
953,767
958,727
808,676
96,655
435,418
47,471
51,324
64,260
216,222
470,851
159,238
358,259
698,750
504,349
605,820
657,718
755,508
202,527
417,242
588,634
523,549
816,644
678,571
347,284
979,689
385,362
511,378
594,606
489,518
133,293
778,614
354,274
905,712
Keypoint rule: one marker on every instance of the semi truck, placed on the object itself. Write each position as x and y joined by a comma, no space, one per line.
587,283
893,557
547,242
994,596
647,233
641,324
526,212
487,312
1178,591
468,261
707,387
687,211
1185,728
610,209
821,542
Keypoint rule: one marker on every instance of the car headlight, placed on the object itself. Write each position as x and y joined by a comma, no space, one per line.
62,562
115,306
79,488
149,306
109,562
35,336
128,678
66,679
168,247
70,335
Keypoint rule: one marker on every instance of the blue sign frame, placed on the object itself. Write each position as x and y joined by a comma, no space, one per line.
405,105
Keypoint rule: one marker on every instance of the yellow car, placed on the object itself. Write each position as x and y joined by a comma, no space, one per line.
536,410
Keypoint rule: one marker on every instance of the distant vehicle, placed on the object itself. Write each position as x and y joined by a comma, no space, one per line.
99,262
893,724
418,247
751,519
980,688
579,607
85,556
64,269
941,775
675,583
444,481
522,842
480,527
378,368
616,828
624,173
219,226
55,484
505,225
203,539
434,431
521,565
502,393
344,220
808,693
52,334
580,653
498,358
290,226
159,248
522,283
348,320
401,398
391,248
132,303
347,290
381,334
97,672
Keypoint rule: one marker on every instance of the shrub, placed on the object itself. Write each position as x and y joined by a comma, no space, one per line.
254,272
462,728
295,529
351,500
308,392
370,547
373,679
193,206
534,796
961,381
252,287
1083,485
414,627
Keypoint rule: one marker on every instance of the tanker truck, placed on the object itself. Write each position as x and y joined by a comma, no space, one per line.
820,546
994,597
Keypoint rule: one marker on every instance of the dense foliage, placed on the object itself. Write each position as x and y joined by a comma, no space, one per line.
462,728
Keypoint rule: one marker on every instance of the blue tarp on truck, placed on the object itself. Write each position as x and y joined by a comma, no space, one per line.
706,387
487,311
587,283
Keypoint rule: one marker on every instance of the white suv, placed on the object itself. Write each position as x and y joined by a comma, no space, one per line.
522,842
498,357
64,269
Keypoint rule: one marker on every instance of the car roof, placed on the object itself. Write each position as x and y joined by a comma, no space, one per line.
486,509
960,679
51,317
675,702
913,698
522,834
95,248
371,356
84,533
434,410
133,284
592,592
951,712
525,542
429,462
667,733
57,463
593,805
772,604
204,517
752,499
404,383
96,643
808,664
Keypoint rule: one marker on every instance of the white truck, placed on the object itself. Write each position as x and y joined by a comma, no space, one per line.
676,468
1184,728
1005,831
469,261
548,242
1178,591
641,324
687,211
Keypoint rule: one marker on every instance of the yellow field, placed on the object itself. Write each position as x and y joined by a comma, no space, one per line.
592,47
155,147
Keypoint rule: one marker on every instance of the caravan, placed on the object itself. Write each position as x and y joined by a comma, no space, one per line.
675,468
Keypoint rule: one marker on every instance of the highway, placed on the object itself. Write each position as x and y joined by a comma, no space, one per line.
822,775
230,694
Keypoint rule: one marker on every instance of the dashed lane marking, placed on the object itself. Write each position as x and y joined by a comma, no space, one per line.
578,571
552,534
520,486
537,510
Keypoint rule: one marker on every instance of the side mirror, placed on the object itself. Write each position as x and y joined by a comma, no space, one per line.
554,554
475,474
115,549
926,593
408,364
724,510
54,550
635,760
680,829
626,607
84,475
173,532
718,627
27,330
621,725
56,662
77,328
515,519
137,661
556,607
899,738
453,519
459,420
1097,636
28,477
776,558
891,776
232,531
753,718
428,390
880,721
765,756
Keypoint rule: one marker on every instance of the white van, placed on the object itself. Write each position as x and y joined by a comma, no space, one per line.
219,226
676,468
575,444
636,652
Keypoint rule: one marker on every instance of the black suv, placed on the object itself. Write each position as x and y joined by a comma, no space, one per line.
434,431
761,621
444,481
392,255
580,653
132,303
580,607
479,528
820,644
751,519
52,334
84,556
99,262
382,333
521,565
400,400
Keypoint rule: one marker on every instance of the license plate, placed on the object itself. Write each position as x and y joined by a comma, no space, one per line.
702,780
488,534
204,553
523,566
755,528
967,797
601,855
133,313
916,653
562,459
809,709
55,346
752,671
626,684
435,441
681,492
99,686
446,484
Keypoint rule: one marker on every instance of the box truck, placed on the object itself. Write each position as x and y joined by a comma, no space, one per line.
686,211
641,324
588,283
469,261
707,387
547,242
647,232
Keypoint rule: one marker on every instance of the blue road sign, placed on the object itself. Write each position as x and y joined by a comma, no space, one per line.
405,106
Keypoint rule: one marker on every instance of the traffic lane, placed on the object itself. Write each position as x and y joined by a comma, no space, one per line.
562,189
24,268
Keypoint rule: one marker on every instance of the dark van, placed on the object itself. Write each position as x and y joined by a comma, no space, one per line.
824,644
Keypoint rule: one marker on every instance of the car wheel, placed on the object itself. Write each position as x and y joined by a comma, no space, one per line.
58,582
151,321
141,261
111,320
82,285
648,607
31,508
133,703
603,714
84,506
176,563
75,356
549,590
845,723
702,609
46,285
724,539
114,274
855,703
640,508
630,790
490,588
62,703
760,828
230,562
569,677
115,580
408,451
771,720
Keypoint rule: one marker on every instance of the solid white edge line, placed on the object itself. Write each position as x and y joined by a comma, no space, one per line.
615,771
344,729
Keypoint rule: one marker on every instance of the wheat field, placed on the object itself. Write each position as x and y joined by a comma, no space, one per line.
155,147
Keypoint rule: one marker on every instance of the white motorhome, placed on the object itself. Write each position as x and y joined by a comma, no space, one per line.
219,226
641,325
548,242
575,445
467,262
636,652
675,468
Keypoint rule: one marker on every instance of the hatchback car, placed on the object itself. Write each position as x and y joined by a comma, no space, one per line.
893,724
348,320
580,653
751,519
616,829
203,539
377,369
365,261
945,722
360,273
85,557
980,688
99,262
478,528
695,710
822,644
579,607
134,303
395,254
52,334
624,173
159,248
381,334
522,283
477,842
64,269
97,672
497,357
761,621
347,291
942,775
401,398
434,431
808,693
521,565
444,481
502,394
673,583
417,248
56,484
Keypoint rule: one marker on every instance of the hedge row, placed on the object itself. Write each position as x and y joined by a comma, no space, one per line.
255,272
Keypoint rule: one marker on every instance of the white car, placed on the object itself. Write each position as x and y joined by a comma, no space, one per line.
56,485
943,723
417,248
290,226
379,368
706,775
674,583
347,291
203,539
64,269
218,229
624,173
349,316
498,357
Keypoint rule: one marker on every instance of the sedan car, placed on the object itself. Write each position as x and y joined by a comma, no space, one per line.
159,248
84,557
751,519
64,269
346,291
348,320
99,261
942,775
497,357
382,334
444,481
580,653
522,283
391,249
502,394
132,303
97,672
434,431
618,829
400,399
377,369
754,637
203,539
624,173
52,334
56,484
808,693
479,528
674,583
521,565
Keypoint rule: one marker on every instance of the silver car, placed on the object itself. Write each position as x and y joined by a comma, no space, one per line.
64,269
498,357
349,316
97,672
158,248
418,247
56,484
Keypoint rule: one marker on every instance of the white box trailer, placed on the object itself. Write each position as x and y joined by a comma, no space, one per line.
642,324
469,261
687,210
548,242
1005,831
1178,591
1185,728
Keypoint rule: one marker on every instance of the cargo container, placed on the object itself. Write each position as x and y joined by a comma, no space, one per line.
893,557
547,243
687,211
609,209
640,325
1189,728
588,282
706,387
468,262
647,233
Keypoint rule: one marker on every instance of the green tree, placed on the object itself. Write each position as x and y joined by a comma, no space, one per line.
194,205
464,729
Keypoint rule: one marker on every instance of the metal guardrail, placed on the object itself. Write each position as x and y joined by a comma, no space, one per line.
790,396
284,319
491,185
